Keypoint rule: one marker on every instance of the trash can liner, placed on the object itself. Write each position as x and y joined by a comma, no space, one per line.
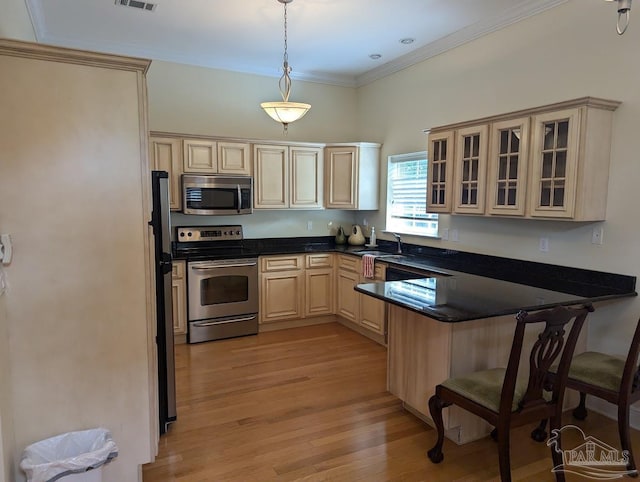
68,453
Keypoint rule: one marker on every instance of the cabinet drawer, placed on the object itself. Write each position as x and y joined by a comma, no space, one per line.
280,263
350,263
177,269
320,260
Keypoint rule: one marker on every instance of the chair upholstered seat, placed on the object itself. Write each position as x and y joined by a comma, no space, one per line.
609,378
485,387
506,400
597,369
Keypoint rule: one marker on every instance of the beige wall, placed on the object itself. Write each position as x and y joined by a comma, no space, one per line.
7,442
195,100
564,53
71,195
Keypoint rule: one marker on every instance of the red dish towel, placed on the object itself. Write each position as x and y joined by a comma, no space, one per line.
367,265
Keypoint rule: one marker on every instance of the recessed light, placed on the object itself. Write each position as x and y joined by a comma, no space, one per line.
407,40
375,56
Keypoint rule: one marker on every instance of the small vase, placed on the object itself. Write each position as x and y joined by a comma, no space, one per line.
340,237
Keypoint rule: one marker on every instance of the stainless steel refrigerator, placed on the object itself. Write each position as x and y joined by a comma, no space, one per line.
161,223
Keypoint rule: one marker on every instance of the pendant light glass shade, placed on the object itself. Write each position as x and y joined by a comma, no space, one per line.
284,111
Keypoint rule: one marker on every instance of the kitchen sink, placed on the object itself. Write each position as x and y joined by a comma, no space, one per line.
395,257
374,252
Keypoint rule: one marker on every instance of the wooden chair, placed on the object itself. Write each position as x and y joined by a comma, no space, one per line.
504,400
604,376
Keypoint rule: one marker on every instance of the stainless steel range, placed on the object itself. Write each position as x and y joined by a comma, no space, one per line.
222,283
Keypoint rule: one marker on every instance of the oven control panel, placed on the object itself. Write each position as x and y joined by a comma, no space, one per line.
209,233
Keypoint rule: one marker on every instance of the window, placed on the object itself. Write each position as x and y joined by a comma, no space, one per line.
407,196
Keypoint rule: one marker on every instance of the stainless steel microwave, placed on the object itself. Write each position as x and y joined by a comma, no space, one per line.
217,195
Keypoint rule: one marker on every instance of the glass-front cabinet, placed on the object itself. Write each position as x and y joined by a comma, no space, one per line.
440,172
508,162
555,163
470,170
547,162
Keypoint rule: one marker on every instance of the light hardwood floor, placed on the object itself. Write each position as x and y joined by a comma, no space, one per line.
311,404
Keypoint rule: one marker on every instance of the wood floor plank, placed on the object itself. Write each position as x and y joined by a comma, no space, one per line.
310,404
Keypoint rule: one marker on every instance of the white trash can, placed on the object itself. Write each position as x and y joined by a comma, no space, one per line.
69,457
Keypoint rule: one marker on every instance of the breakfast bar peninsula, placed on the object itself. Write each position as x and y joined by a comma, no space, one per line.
446,323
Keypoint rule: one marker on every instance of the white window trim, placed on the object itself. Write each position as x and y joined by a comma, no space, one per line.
395,158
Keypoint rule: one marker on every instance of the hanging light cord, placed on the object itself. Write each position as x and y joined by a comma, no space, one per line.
285,80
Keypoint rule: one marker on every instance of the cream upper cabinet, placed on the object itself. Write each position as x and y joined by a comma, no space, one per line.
200,155
305,175
271,176
352,176
166,155
549,162
570,162
287,176
470,170
508,162
440,172
234,158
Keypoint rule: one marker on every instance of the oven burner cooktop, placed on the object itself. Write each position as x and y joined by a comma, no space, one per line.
210,242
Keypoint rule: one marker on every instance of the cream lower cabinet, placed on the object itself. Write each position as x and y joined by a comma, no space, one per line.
373,311
179,297
166,155
281,288
319,284
360,309
287,176
347,299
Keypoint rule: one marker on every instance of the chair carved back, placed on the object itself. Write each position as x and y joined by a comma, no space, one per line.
550,344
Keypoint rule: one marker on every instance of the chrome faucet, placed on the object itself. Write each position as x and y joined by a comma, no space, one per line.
399,240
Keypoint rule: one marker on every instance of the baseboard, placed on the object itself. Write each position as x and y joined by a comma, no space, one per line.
610,410
380,339
283,325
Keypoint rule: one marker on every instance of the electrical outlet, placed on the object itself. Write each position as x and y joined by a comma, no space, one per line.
309,225
544,245
597,234
365,223
445,233
454,235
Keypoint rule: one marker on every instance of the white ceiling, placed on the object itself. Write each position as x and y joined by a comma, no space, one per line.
329,41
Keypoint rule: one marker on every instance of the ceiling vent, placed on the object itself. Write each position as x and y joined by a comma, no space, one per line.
137,4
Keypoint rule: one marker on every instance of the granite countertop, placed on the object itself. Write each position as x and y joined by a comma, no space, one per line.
466,286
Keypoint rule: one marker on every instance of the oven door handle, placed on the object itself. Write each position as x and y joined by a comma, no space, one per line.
201,324
241,265
239,199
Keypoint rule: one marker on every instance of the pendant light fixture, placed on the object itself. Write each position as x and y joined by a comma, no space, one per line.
285,112
624,12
